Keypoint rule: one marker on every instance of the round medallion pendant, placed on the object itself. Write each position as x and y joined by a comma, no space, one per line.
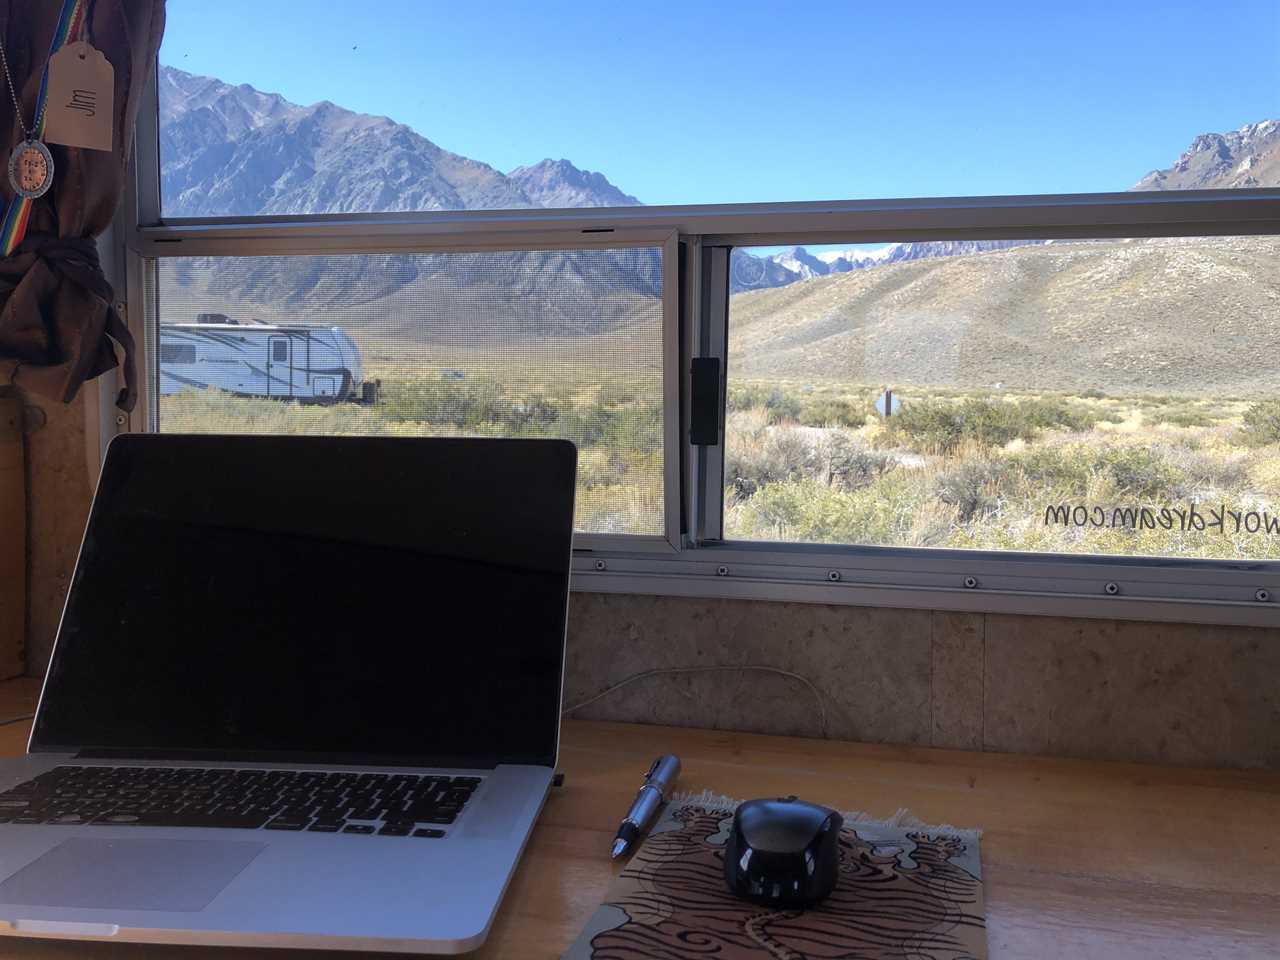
31,169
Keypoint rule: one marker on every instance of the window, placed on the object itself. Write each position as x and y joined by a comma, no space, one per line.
540,343
1054,394
1084,396
529,106
177,352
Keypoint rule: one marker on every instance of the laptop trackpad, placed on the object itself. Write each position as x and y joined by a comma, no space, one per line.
130,874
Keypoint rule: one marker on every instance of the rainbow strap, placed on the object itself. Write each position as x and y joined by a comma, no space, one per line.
19,210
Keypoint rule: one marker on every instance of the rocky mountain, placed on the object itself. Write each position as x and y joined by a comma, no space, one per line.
842,261
559,184
797,263
802,263
233,150
1248,157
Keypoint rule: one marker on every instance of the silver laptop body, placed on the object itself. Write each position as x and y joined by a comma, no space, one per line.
367,792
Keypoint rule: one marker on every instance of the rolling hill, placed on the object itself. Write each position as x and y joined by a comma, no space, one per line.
1181,316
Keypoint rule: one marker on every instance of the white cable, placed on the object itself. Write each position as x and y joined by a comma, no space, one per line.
817,694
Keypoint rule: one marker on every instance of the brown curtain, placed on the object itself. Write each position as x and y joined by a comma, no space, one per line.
57,318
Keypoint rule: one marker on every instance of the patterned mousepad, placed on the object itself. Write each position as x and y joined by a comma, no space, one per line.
905,890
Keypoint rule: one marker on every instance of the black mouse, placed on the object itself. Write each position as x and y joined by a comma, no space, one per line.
783,852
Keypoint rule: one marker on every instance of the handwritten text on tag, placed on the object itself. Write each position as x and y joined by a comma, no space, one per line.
78,105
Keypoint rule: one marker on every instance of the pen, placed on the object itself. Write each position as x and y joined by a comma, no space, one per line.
652,795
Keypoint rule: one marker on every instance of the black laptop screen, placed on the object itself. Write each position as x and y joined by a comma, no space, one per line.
319,598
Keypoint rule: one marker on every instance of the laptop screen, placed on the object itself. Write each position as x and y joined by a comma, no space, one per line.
319,598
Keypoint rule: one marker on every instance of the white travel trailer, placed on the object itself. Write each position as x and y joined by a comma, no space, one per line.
293,361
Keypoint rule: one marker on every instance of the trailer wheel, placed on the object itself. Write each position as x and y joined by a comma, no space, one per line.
371,391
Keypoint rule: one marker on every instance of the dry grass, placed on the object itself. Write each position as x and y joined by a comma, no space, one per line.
906,489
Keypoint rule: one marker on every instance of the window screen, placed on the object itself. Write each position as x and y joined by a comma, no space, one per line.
177,353
552,343
1103,397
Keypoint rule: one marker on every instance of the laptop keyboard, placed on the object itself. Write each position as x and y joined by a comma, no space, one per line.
389,805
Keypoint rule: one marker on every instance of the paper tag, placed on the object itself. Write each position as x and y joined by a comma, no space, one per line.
78,102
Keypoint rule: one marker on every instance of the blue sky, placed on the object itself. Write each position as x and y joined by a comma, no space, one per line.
718,103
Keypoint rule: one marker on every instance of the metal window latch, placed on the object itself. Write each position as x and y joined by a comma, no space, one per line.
704,402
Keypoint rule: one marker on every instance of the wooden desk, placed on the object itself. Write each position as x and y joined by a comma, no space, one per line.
1096,860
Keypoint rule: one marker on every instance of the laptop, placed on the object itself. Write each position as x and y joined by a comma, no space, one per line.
305,692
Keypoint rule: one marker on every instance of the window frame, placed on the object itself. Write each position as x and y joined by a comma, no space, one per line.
692,559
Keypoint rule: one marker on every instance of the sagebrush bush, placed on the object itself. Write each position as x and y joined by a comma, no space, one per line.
1187,417
845,461
972,487
780,405
638,425
756,458
1261,423
939,427
1068,466
833,411
807,510
1215,469
1141,472
463,403
1074,469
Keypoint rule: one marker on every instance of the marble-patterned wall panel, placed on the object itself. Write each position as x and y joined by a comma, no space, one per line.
872,666
959,644
1168,693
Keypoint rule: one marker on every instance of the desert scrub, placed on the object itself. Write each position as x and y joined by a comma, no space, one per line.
933,426
1068,466
463,403
633,507
757,456
637,426
1181,416
833,411
1260,424
1075,470
807,510
1211,469
1141,473
778,404
843,460
972,487
214,411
